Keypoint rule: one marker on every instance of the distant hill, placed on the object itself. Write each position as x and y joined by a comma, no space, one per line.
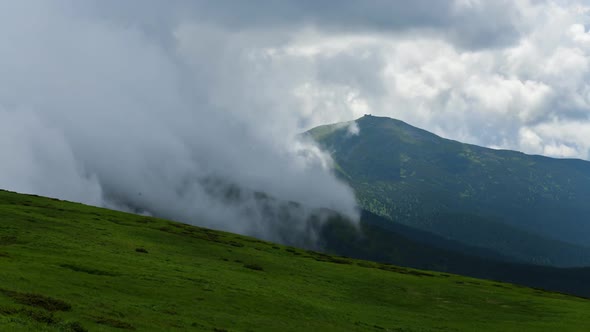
383,241
531,208
70,267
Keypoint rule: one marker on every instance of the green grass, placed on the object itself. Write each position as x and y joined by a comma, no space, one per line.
70,267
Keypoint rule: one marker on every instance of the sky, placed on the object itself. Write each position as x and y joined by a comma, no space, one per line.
141,105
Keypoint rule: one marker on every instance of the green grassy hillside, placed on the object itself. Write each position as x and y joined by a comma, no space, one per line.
70,267
531,208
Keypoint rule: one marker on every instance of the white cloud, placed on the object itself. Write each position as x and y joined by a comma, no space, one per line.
485,96
28,160
353,129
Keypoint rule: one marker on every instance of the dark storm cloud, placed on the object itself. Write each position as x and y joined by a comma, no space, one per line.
468,23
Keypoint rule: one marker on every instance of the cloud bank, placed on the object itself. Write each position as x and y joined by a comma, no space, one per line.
168,107
101,112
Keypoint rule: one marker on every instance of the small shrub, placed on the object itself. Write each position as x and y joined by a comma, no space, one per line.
170,312
255,267
9,310
88,270
213,237
392,268
41,316
143,221
37,300
7,240
75,327
36,315
166,229
331,259
114,323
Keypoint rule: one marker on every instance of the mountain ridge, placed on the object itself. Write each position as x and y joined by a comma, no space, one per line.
417,178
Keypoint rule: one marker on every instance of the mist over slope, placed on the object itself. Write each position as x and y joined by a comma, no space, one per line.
99,111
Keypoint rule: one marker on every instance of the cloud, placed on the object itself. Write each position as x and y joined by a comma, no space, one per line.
488,95
26,160
353,129
470,24
104,113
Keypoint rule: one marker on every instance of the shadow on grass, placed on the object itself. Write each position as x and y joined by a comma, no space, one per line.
254,267
7,240
113,323
43,317
88,270
37,300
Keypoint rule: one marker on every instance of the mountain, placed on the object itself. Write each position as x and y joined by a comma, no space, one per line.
70,267
378,239
530,208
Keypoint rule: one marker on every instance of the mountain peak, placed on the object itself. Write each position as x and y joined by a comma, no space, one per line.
418,178
394,128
